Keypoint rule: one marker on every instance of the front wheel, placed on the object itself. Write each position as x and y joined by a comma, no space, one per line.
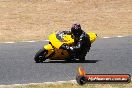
40,56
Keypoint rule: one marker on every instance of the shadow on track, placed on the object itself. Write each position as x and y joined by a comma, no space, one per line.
86,61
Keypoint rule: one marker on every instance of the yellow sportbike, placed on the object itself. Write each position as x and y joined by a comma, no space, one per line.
52,50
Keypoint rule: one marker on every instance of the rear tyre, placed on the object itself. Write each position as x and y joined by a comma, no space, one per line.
70,59
82,59
40,56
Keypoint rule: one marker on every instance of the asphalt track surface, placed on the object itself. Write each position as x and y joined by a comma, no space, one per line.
113,55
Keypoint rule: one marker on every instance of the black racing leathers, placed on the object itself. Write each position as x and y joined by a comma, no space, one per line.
81,45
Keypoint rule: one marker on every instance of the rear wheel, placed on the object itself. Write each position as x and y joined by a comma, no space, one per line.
40,56
82,59
70,59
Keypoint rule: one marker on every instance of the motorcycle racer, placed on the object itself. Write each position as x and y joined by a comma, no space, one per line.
81,45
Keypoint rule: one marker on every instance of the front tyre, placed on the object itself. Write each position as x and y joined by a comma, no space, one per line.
40,56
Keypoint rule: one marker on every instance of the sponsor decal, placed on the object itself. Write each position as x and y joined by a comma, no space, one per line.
83,78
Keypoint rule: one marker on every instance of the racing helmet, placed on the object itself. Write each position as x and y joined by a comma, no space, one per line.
76,29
